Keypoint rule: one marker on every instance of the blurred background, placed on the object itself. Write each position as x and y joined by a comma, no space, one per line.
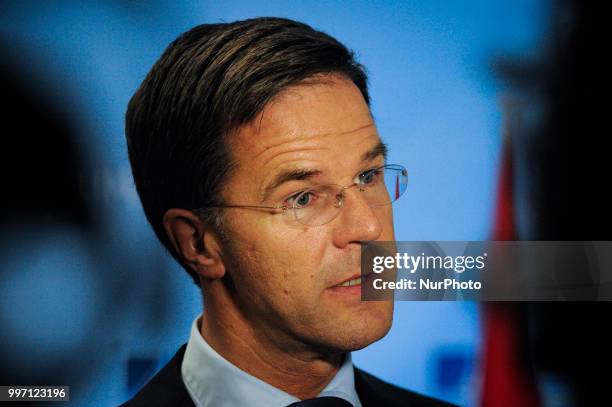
90,298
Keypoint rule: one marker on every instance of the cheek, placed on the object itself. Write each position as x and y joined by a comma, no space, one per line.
286,265
276,253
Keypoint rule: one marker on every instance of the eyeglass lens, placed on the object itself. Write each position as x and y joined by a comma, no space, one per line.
323,203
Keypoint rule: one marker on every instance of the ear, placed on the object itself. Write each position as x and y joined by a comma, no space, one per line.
194,242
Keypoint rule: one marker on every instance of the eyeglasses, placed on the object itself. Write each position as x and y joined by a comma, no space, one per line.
320,204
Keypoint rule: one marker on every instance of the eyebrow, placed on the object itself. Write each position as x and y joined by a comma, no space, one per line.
294,174
379,149
303,174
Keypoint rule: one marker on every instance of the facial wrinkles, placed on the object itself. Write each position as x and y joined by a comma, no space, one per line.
295,135
316,149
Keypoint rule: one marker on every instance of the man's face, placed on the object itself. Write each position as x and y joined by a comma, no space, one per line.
286,274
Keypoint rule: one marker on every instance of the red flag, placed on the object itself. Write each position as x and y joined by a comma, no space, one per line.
506,381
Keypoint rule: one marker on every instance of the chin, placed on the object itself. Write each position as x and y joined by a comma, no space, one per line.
362,329
370,334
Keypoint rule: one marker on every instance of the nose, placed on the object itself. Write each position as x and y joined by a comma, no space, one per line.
357,222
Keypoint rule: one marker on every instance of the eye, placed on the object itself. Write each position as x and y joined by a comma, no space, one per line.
370,176
301,199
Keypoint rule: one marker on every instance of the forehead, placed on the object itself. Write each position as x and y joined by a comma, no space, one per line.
323,127
311,116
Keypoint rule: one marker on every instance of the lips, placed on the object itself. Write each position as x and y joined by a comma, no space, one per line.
348,283
351,281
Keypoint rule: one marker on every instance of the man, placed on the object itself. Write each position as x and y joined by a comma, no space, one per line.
259,167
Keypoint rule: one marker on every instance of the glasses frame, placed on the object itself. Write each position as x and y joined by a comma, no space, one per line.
338,204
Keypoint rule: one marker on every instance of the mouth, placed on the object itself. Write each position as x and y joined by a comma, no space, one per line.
350,283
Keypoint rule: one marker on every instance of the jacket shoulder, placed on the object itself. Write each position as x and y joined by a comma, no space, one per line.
166,388
373,391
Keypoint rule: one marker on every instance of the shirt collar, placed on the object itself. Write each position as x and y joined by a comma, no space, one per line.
211,380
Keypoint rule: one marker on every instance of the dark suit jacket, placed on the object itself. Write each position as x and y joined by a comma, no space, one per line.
166,388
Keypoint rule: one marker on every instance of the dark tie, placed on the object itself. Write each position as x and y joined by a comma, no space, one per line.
322,402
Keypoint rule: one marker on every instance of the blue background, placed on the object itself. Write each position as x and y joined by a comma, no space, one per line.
436,103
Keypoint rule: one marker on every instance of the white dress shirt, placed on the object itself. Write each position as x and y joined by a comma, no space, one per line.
212,381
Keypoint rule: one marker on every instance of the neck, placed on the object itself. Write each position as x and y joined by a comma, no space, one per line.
281,362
